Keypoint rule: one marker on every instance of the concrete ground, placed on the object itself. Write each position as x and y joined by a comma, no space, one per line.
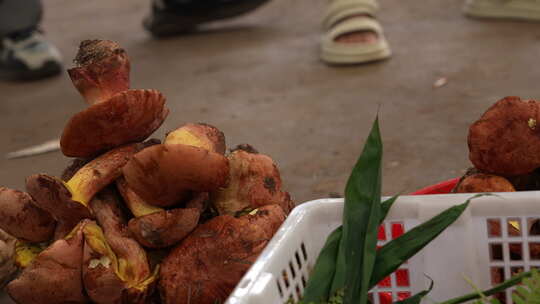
259,79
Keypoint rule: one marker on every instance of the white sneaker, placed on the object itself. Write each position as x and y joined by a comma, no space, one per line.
28,56
503,9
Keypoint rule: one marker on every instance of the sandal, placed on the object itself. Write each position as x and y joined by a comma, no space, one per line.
503,9
350,16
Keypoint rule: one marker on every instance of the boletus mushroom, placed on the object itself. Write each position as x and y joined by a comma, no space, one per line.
68,201
7,252
165,175
116,115
254,181
505,140
482,182
20,217
200,135
165,228
54,276
206,266
155,227
115,267
26,252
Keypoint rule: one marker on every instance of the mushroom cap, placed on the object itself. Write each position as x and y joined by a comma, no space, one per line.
129,116
165,228
481,182
209,263
92,51
199,135
54,276
51,195
162,175
102,71
506,139
254,181
20,217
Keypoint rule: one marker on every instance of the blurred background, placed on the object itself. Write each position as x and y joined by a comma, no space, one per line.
260,80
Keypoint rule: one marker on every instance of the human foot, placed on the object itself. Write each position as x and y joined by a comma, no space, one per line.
360,36
357,38
28,56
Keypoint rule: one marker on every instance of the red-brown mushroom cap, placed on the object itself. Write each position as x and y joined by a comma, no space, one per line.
481,182
162,174
54,276
200,135
20,217
506,139
165,228
129,116
155,227
207,265
102,71
254,181
51,195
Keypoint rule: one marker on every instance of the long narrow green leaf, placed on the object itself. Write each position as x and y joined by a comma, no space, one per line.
320,280
318,286
399,250
361,216
489,292
417,298
385,207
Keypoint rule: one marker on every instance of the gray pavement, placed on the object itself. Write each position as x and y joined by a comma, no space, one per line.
259,79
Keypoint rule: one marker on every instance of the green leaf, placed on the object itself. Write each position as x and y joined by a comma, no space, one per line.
529,293
361,217
417,298
320,280
399,250
494,301
518,300
501,287
385,207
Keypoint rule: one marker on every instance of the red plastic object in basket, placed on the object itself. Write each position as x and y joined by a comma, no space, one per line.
440,188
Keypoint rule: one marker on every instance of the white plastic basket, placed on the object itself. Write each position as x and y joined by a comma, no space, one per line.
476,246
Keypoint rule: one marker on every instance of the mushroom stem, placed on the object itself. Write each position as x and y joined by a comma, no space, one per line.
99,173
115,267
26,252
102,71
135,203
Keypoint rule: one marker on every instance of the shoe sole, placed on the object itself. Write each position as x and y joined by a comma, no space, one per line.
186,24
496,12
341,59
49,69
334,57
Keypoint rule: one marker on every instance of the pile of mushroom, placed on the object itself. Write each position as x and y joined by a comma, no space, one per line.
504,147
135,221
